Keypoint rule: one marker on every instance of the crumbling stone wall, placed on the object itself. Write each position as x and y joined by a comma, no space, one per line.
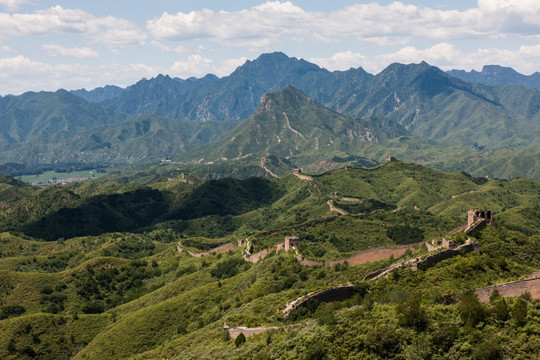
428,261
513,289
362,257
257,256
431,260
336,293
218,250
234,332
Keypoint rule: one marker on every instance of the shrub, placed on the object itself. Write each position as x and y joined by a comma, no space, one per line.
500,311
227,268
519,312
411,314
11,311
472,312
240,339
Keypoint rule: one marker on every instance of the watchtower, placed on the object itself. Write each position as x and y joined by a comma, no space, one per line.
291,241
481,215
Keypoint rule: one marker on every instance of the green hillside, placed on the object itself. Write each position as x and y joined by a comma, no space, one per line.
32,114
295,131
92,271
141,138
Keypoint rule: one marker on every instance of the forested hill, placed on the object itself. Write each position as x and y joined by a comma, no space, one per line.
115,270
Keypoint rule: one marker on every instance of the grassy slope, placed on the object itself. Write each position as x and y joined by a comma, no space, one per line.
175,305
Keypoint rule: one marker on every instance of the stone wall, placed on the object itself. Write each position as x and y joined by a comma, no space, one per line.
431,260
380,253
257,256
513,289
234,332
218,250
336,293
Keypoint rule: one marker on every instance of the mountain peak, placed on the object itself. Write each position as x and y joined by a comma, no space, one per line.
288,95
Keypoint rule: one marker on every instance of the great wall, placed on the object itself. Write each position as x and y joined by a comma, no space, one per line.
443,250
529,285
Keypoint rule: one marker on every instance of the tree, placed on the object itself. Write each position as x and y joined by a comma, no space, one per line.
494,296
411,314
519,312
472,312
240,339
501,310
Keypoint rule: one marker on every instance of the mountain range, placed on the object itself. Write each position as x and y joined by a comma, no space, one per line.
417,110
498,75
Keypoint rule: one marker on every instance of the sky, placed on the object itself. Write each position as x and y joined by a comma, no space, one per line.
46,45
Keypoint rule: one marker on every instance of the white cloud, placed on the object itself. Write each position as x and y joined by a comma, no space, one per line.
198,66
109,31
195,65
395,23
12,5
180,50
55,49
443,55
257,26
19,74
340,61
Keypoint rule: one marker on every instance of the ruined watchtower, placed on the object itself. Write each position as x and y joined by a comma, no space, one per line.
486,216
291,241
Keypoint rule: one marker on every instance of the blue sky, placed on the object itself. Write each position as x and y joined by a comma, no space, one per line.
47,45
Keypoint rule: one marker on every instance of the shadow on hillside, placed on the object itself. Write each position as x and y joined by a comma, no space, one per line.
100,214
228,197
137,209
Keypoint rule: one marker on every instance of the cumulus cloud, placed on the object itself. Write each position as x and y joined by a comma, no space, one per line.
198,66
55,49
443,55
341,61
274,22
19,74
258,26
109,31
180,50
12,5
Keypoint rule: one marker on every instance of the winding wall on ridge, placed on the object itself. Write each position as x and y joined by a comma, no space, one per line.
362,257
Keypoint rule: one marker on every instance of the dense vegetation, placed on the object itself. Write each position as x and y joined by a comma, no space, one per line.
92,271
